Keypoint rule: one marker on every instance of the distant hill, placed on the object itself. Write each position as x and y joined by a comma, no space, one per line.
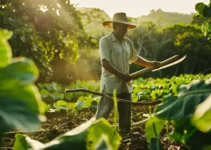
163,19
92,19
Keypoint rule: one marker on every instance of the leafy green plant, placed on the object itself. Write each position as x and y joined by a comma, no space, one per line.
46,32
204,10
55,91
184,112
150,88
20,102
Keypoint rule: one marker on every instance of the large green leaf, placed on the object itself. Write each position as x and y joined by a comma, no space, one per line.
188,135
5,49
20,108
103,144
153,128
25,143
21,69
183,131
155,144
28,94
202,116
74,139
91,135
101,128
185,104
87,136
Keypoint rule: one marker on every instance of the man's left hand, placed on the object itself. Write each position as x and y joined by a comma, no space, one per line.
155,64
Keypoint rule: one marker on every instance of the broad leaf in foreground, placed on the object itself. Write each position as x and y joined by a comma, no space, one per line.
20,101
20,108
153,128
91,135
155,144
185,104
202,116
21,69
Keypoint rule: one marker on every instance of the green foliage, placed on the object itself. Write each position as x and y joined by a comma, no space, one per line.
115,107
143,89
199,7
150,88
155,144
49,32
153,128
21,108
20,101
188,114
90,135
72,102
204,11
185,104
55,91
61,104
201,118
5,50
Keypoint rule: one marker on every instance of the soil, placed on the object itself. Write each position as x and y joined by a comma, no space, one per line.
61,122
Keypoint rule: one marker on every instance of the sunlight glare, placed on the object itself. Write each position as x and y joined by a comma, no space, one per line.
43,8
136,8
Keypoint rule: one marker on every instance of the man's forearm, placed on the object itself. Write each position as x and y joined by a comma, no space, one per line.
111,69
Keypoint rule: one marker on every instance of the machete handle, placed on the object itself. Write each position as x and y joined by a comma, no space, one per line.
137,74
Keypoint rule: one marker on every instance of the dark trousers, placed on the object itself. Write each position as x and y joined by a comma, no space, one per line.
124,110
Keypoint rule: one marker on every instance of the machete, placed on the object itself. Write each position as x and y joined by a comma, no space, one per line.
164,64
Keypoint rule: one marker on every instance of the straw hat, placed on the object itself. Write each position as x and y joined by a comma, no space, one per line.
119,18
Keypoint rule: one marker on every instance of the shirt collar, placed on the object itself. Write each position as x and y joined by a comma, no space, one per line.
113,38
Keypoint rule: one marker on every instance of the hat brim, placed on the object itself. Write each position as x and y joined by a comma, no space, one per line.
109,24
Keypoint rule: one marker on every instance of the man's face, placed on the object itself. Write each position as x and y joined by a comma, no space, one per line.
121,30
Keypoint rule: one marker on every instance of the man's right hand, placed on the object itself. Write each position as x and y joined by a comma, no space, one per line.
111,69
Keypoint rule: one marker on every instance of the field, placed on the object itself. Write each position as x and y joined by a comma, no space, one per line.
66,111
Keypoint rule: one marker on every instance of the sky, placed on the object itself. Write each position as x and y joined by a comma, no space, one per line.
137,8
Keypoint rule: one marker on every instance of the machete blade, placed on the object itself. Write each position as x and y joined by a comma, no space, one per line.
171,64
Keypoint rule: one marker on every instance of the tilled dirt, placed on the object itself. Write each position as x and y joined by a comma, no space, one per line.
61,122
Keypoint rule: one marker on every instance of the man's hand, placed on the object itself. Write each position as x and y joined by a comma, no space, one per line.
111,69
155,64
126,77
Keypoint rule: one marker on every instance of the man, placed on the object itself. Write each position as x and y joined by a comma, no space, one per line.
116,53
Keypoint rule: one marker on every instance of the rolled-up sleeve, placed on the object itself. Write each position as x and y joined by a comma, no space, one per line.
104,50
133,56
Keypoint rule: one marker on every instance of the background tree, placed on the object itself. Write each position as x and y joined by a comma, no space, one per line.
49,32
178,39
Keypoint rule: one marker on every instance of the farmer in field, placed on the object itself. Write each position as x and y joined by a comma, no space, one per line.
116,53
